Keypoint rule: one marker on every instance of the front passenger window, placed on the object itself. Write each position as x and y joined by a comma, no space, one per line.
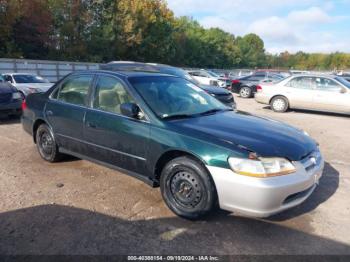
75,90
325,84
110,94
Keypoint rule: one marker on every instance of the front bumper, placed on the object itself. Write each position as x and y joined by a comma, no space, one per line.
263,197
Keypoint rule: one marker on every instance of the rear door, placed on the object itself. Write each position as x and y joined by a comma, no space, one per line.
65,111
331,96
112,137
300,92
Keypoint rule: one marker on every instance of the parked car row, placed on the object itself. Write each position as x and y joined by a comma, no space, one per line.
155,123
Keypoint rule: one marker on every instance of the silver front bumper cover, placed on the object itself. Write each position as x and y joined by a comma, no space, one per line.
263,197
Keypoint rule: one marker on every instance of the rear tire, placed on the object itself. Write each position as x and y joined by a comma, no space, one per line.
245,92
46,144
279,104
187,188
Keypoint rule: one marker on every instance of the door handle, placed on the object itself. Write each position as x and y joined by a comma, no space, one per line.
91,125
49,113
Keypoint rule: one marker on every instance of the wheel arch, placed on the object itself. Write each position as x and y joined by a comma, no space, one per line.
36,125
172,154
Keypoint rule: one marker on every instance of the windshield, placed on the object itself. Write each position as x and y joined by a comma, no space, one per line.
343,81
22,79
213,74
174,97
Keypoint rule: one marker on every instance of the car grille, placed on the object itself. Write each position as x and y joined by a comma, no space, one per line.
225,98
5,98
312,160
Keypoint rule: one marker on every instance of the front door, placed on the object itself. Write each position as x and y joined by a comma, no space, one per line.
65,111
113,138
331,96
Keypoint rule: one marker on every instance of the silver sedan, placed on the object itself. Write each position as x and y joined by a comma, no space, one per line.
311,92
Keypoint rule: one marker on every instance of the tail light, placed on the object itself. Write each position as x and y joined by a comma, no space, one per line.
24,105
258,88
236,81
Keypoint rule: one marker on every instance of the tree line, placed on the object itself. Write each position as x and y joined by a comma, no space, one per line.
140,30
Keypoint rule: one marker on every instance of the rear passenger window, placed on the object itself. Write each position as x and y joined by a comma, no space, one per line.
75,90
110,94
302,82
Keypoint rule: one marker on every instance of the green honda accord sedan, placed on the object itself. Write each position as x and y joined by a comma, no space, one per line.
168,132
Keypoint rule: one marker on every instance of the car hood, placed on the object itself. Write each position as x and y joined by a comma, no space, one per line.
266,137
6,88
215,90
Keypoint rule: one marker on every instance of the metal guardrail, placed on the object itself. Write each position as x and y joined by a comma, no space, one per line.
51,70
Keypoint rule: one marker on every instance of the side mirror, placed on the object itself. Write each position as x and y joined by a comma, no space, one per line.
130,110
343,91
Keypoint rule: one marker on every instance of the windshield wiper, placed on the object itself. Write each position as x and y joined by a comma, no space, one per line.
213,111
178,116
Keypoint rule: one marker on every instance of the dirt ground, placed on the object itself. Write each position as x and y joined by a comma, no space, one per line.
76,207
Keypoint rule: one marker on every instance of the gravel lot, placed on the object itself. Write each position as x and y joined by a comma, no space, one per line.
76,207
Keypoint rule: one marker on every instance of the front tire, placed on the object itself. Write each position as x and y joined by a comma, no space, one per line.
187,188
279,104
46,144
245,92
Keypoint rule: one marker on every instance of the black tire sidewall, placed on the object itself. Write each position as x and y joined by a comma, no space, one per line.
54,156
208,189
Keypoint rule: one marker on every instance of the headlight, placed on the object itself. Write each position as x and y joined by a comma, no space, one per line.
16,95
261,167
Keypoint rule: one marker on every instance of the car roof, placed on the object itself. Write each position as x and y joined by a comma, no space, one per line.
315,75
123,73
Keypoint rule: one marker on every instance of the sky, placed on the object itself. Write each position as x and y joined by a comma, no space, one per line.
284,25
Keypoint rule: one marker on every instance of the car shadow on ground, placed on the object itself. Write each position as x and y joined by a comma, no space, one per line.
55,229
328,185
8,120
